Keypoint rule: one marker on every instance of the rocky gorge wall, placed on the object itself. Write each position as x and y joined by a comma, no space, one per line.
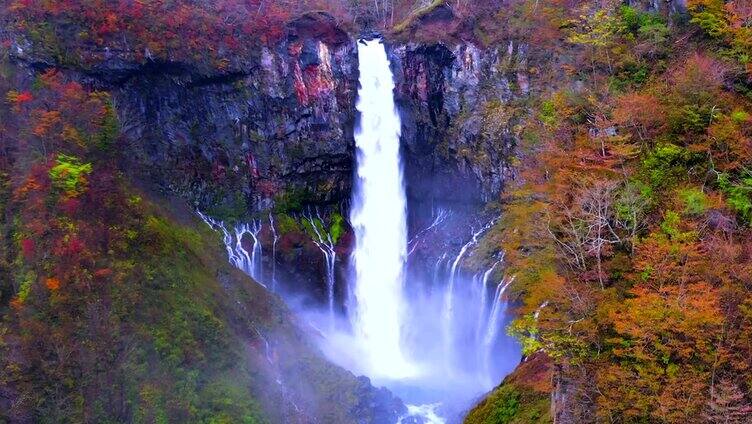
278,132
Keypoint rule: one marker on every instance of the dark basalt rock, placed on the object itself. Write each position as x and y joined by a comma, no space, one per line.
284,126
282,135
442,93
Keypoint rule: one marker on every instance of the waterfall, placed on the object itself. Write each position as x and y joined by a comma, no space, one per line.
437,272
238,256
539,309
379,218
492,331
483,298
325,244
447,315
435,343
249,263
438,218
275,238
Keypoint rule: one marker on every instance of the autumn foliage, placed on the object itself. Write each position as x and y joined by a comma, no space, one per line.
640,172
216,34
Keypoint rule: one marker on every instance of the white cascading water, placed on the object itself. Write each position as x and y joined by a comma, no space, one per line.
323,240
497,310
448,312
379,218
483,292
250,263
275,238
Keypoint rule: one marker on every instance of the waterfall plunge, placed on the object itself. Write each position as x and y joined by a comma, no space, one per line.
447,347
380,220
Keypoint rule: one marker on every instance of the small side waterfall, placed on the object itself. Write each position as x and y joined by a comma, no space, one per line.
323,240
539,309
250,263
483,292
492,331
275,238
447,315
438,218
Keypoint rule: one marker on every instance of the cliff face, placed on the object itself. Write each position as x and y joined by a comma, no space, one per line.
446,94
278,132
275,130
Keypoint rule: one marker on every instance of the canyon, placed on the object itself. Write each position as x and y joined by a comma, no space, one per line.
266,212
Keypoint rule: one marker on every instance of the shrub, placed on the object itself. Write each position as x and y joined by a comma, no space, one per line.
291,200
69,175
286,224
739,195
670,224
695,201
709,15
667,164
336,227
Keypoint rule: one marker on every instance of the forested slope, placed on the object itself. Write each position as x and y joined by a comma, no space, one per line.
629,225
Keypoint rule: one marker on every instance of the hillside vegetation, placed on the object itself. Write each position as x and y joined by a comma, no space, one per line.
629,225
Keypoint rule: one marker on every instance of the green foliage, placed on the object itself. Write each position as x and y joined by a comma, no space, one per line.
510,404
711,22
672,227
596,30
224,402
711,17
334,232
634,19
506,405
69,175
670,224
525,330
648,26
336,226
286,224
547,113
739,194
24,288
692,118
311,228
695,201
740,117
230,208
631,74
170,238
667,164
291,200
